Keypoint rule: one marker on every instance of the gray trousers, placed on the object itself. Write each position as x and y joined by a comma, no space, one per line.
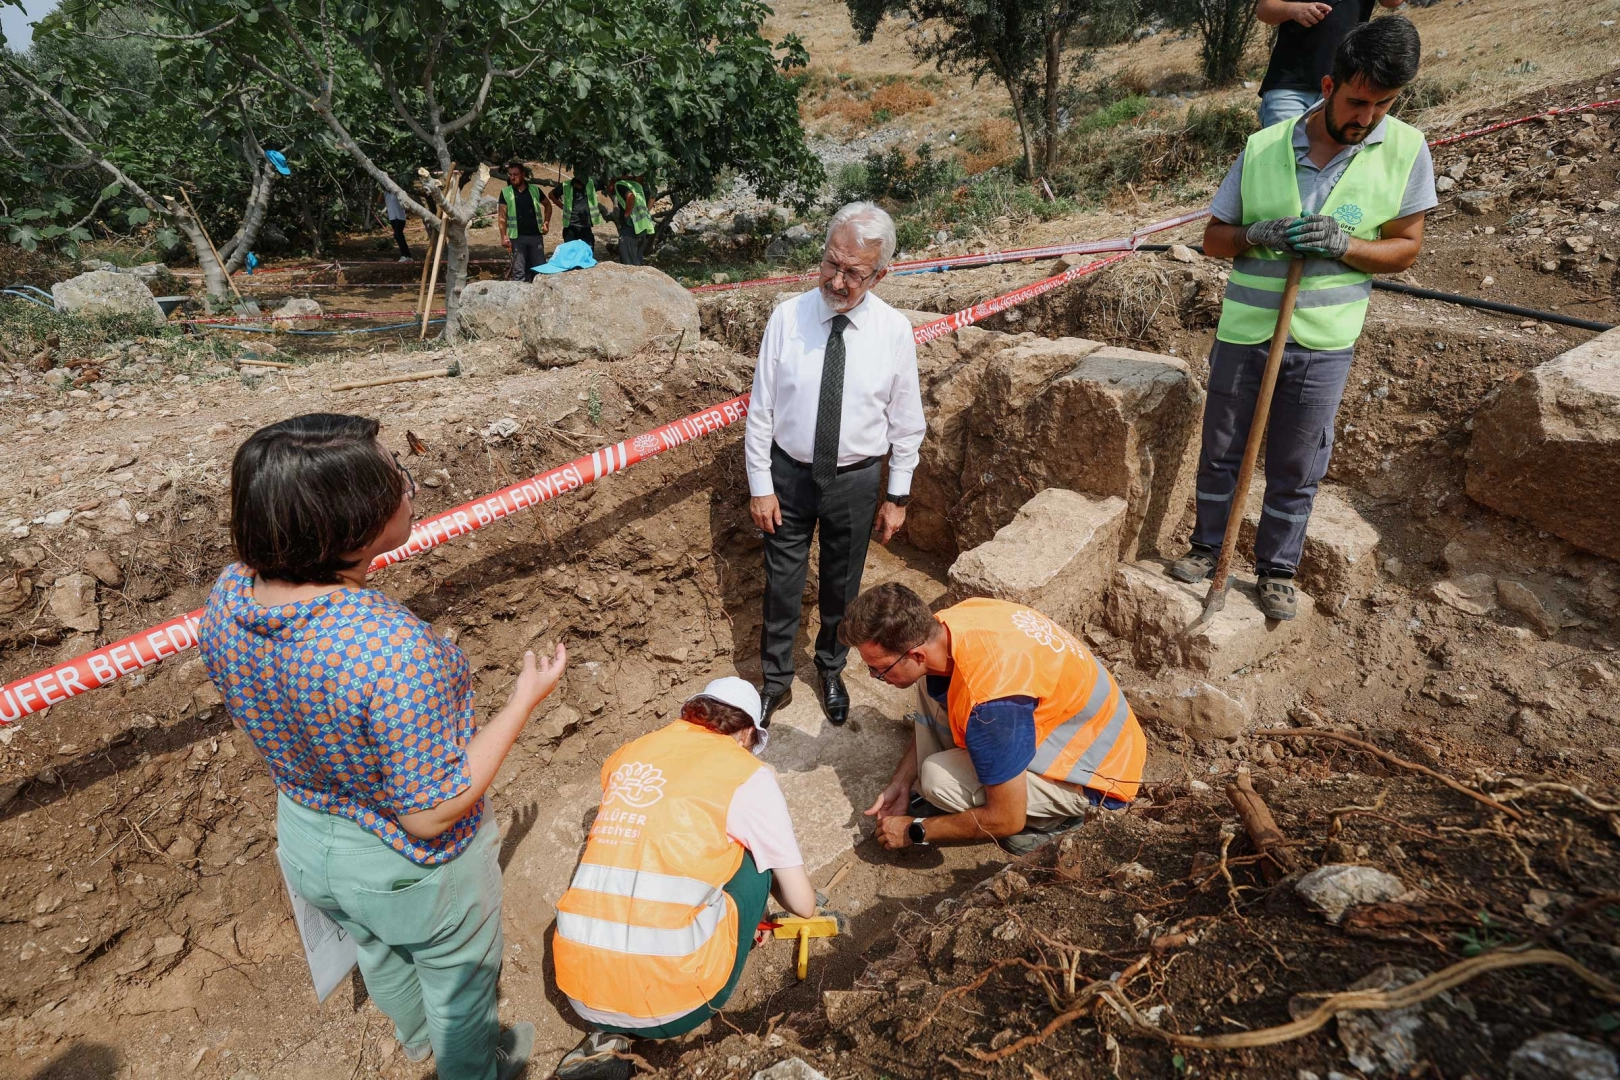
844,511
630,248
1299,442
528,252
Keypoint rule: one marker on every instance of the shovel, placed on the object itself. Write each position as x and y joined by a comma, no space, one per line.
1216,599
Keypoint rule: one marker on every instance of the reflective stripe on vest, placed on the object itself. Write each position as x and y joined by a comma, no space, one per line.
1085,732
590,197
646,928
509,196
1333,295
639,217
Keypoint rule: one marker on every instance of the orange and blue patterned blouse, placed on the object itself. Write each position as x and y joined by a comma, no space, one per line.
360,708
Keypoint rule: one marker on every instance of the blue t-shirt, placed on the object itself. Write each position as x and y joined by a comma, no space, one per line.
358,706
1000,733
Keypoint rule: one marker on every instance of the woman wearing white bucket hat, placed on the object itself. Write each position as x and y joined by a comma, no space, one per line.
693,829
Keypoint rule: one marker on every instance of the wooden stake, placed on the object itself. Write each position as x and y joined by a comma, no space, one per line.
448,373
229,280
1262,828
254,362
438,250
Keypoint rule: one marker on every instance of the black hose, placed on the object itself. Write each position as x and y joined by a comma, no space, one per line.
1455,298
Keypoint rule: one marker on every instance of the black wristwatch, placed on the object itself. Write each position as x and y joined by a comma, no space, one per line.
915,833
898,500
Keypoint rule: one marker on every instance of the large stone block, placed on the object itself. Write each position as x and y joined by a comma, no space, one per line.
1096,419
606,312
1546,447
1154,613
1056,556
1340,560
102,292
492,309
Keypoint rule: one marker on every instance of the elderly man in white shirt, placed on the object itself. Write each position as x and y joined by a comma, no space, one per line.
835,391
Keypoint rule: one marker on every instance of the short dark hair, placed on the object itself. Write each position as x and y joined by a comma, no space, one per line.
1384,52
890,615
706,712
517,165
307,491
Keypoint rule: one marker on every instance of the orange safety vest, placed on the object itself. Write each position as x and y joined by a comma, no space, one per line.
646,929
1085,732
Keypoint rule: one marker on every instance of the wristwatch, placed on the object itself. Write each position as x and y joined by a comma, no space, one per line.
915,833
898,500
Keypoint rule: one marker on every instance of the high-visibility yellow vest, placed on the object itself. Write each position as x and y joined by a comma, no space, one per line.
647,929
590,199
509,194
639,217
1333,295
1085,732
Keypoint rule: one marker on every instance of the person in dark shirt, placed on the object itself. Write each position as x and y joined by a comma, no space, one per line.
522,217
576,198
1308,31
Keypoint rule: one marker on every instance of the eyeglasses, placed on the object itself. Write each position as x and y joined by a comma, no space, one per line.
850,275
406,473
881,675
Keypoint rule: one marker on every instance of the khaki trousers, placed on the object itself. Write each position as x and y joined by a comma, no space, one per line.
946,778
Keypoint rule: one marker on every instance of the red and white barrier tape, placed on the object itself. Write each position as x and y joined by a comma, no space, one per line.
54,685
98,668
1550,113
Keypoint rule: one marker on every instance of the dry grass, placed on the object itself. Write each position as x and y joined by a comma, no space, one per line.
899,98
987,144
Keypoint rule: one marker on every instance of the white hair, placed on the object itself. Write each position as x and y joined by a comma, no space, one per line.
869,222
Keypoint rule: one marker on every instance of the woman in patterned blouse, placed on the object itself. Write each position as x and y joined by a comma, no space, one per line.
365,717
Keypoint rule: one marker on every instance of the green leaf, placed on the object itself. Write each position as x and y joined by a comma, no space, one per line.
138,215
111,190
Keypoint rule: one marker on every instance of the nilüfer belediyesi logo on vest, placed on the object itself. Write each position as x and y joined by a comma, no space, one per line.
635,784
1045,631
1348,216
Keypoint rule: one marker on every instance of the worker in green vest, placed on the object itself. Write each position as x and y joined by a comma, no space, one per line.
634,220
577,198
1345,187
522,217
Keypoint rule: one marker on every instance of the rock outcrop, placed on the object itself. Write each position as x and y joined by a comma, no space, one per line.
1156,614
1546,447
1057,556
605,312
1076,414
103,292
293,314
492,309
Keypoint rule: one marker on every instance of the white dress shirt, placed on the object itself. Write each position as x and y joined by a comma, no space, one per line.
882,403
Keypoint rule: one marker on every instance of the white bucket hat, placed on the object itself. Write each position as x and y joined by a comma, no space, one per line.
739,694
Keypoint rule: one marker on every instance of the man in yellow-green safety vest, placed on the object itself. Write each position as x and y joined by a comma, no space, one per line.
581,212
522,217
1345,187
633,218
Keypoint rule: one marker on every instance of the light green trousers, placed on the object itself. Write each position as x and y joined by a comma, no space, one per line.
429,937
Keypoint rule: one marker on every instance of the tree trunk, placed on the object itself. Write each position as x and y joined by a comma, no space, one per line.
1023,126
455,275
1054,70
234,251
218,290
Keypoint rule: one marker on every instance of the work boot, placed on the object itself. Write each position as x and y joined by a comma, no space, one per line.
1277,597
593,1058
1034,837
1193,567
513,1050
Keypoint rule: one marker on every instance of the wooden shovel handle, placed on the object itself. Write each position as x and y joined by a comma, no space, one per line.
1257,427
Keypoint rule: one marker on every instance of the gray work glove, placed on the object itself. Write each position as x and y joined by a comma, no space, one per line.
1272,233
1319,234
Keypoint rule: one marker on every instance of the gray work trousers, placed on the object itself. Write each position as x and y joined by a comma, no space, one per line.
528,252
1299,442
630,248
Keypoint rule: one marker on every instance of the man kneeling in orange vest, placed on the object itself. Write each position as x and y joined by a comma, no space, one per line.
653,932
1019,728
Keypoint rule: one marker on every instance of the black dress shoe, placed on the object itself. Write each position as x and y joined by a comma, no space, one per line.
770,701
834,698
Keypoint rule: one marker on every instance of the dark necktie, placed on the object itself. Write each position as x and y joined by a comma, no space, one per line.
830,409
